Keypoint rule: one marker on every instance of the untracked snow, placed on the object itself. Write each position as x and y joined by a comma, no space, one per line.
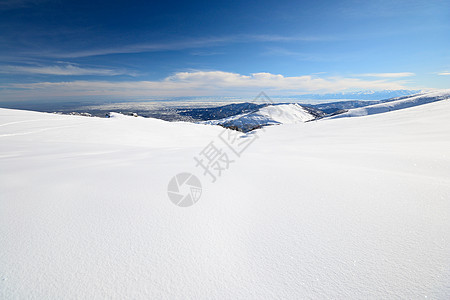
330,209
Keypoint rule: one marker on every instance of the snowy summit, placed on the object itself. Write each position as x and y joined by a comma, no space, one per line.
268,115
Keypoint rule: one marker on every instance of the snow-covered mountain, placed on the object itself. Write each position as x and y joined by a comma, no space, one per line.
295,113
396,104
268,115
335,107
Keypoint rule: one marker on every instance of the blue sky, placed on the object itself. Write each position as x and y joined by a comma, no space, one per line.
146,49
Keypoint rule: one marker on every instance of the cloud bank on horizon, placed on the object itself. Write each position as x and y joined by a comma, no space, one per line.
140,49
200,83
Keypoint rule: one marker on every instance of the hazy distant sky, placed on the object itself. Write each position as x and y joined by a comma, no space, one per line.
142,49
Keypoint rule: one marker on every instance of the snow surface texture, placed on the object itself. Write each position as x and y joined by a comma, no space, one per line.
268,115
343,208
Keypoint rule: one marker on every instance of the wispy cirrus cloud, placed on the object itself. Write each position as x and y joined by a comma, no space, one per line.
15,4
388,75
445,73
303,56
64,70
186,44
199,83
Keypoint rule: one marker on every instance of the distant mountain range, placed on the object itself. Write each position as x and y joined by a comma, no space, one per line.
253,116
268,115
244,116
361,95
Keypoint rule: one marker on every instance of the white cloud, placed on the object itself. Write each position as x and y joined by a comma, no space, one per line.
201,83
67,69
444,73
389,75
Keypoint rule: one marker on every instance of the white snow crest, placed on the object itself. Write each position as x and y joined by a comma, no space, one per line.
403,103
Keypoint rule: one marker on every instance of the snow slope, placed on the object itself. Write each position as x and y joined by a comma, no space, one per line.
404,102
342,208
268,115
